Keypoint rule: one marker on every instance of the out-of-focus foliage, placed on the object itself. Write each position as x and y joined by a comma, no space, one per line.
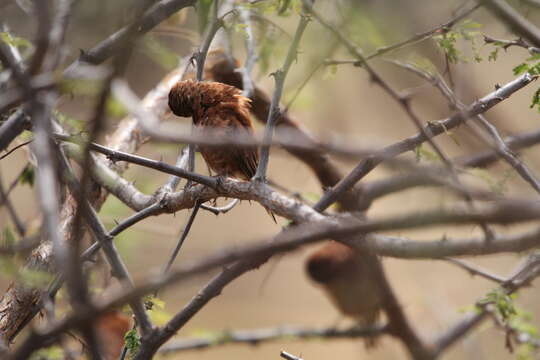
133,342
51,353
447,41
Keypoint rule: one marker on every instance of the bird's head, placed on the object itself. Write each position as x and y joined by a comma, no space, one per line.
193,98
330,262
181,98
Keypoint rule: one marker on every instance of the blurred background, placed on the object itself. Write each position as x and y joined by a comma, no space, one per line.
337,101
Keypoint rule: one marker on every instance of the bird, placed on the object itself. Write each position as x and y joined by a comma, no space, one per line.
345,275
111,328
216,107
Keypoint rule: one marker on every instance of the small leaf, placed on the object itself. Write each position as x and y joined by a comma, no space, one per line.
534,57
14,40
520,69
424,154
536,99
8,238
115,108
470,24
51,353
159,316
27,176
133,341
493,55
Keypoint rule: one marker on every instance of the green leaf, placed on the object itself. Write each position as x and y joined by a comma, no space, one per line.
504,304
470,24
241,29
27,176
8,238
159,316
14,40
74,124
521,68
51,353
536,99
312,196
525,352
424,154
115,108
493,55
133,342
534,58
263,7
80,86
447,43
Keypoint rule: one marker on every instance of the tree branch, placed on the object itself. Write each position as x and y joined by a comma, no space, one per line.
518,23
258,336
410,143
279,77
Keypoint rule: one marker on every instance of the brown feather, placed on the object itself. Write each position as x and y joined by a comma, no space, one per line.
345,276
222,108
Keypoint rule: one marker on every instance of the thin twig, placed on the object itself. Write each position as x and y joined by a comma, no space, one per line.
151,210
414,39
492,138
12,127
113,257
284,242
110,46
505,44
185,233
517,22
4,200
475,270
15,148
258,336
174,181
528,270
274,112
139,160
124,190
222,209
408,144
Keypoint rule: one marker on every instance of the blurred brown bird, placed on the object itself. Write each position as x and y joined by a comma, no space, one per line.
346,277
218,107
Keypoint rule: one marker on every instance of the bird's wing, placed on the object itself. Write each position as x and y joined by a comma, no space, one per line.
231,121
247,158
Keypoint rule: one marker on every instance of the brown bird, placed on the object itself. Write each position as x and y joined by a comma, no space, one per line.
111,328
218,107
345,276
